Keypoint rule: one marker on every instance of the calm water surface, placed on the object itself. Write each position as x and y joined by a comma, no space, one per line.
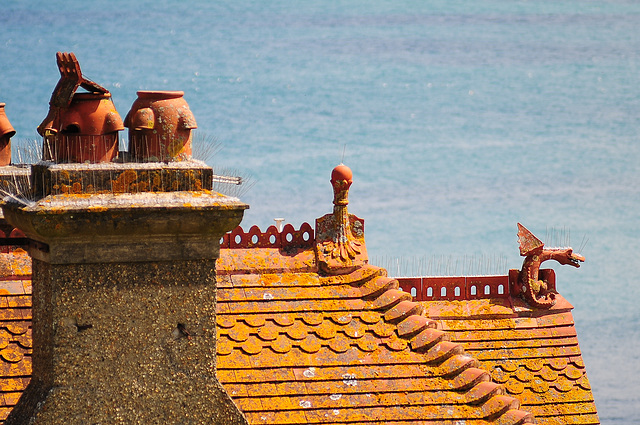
459,119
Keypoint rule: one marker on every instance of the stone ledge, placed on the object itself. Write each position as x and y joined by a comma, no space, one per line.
112,228
57,179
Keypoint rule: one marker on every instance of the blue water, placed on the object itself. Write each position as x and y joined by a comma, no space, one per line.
458,118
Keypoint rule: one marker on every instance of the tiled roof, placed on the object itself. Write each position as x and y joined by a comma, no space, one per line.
295,346
533,353
15,328
299,346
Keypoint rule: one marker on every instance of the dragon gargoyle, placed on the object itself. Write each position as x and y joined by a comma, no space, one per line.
70,79
535,291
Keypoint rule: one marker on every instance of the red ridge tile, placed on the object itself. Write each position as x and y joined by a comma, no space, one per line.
375,287
469,378
442,351
515,417
456,364
427,338
499,405
389,299
483,391
413,325
365,272
403,310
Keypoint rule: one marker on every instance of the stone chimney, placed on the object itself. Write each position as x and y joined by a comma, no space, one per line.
124,294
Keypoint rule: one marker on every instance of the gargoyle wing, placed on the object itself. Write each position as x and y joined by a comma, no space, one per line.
528,242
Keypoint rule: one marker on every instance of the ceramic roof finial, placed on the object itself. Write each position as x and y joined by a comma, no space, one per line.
340,236
341,180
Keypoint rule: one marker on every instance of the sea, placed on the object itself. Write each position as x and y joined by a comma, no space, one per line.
459,120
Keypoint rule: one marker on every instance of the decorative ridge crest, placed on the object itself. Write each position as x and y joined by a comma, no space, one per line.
289,237
456,288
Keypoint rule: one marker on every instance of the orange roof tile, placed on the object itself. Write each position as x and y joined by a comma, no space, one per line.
534,354
299,347
15,328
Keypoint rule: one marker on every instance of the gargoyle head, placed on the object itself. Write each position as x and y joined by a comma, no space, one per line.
566,256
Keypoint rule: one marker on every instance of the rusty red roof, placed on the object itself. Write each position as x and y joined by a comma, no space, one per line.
533,353
15,328
299,346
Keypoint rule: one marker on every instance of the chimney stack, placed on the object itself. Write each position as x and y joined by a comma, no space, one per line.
124,294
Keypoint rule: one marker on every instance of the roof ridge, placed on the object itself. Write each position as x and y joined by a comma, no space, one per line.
462,370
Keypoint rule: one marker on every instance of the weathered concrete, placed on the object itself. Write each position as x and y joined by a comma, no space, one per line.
124,305
14,179
49,178
75,229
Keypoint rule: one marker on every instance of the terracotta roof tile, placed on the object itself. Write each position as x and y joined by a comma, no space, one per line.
403,310
514,417
499,405
413,325
297,347
442,351
375,287
469,378
427,338
347,348
15,328
483,391
534,355
388,299
13,384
